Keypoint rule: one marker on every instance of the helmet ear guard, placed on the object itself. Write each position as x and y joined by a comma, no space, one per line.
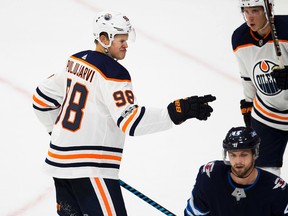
240,138
111,23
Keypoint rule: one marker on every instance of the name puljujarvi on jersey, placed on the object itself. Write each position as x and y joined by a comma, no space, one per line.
80,70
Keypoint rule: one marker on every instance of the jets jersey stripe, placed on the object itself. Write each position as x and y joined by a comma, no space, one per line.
192,209
134,126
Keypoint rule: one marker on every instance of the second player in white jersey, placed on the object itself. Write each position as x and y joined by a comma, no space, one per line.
254,50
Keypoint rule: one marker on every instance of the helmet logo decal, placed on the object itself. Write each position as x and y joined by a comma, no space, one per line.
126,18
262,78
253,133
236,133
107,16
240,138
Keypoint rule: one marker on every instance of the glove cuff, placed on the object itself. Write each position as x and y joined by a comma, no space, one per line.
176,112
246,107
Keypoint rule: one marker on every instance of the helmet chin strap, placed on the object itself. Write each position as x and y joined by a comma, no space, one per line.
267,23
106,51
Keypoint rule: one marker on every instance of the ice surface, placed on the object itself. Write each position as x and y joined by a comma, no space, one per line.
182,48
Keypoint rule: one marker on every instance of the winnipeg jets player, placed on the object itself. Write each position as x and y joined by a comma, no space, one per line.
254,50
234,186
88,109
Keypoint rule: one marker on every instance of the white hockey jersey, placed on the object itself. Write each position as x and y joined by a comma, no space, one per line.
256,58
89,108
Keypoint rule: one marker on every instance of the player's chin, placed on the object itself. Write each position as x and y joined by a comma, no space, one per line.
254,27
121,55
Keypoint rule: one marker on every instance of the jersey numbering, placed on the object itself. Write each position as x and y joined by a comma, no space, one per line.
76,104
74,112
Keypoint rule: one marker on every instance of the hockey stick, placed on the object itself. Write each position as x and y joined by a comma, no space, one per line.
270,18
145,198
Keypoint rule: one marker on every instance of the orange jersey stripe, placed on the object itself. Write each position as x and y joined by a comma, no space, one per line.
272,115
247,45
97,69
78,156
242,46
36,100
129,120
103,195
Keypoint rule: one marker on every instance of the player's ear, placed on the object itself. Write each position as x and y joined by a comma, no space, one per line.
104,39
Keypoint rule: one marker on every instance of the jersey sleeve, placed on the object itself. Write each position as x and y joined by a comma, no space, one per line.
197,203
132,118
47,99
249,89
280,202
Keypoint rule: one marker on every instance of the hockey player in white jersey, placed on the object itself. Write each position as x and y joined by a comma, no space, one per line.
234,186
265,103
88,109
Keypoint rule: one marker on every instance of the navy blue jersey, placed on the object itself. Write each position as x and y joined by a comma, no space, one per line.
216,194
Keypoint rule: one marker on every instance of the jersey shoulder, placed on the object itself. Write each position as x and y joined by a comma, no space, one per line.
241,36
281,23
273,182
107,66
213,170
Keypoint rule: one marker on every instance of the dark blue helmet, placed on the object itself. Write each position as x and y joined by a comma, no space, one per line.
239,138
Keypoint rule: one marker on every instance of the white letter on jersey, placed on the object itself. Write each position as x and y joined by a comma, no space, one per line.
286,210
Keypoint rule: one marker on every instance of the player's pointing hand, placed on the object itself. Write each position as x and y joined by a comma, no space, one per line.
191,107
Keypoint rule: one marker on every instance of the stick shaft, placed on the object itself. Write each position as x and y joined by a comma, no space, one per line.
145,198
274,33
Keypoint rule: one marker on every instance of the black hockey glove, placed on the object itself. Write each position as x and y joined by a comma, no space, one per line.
281,77
246,109
191,107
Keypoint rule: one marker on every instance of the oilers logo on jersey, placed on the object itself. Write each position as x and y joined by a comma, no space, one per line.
262,78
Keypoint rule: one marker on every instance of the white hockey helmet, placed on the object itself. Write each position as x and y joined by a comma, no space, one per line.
254,3
112,23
